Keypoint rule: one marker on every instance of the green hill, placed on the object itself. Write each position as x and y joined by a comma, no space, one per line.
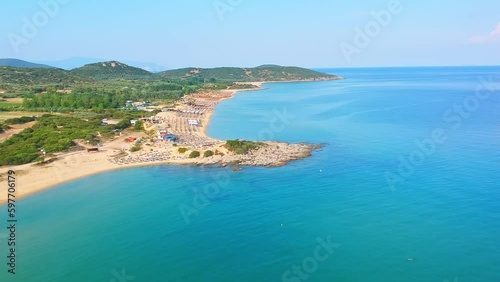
112,70
114,75
11,77
20,64
261,73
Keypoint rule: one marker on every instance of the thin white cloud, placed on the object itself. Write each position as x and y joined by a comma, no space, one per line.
494,36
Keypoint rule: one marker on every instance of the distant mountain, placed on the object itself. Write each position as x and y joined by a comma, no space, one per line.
77,62
99,73
112,70
21,64
261,73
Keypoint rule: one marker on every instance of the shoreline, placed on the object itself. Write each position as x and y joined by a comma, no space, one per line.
68,167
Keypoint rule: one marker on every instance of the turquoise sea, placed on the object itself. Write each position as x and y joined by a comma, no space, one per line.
406,188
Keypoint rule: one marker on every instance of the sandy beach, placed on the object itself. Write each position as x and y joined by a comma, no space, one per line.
114,154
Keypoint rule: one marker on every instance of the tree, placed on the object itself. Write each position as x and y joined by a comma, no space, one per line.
139,125
242,147
123,124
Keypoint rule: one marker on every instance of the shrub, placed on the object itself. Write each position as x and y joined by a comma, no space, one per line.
242,147
194,154
182,150
208,154
139,125
3,127
123,124
136,147
21,120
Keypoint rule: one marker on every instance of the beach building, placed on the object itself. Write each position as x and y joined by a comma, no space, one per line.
193,122
170,138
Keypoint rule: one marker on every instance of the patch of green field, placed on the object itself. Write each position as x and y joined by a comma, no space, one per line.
8,105
10,115
54,134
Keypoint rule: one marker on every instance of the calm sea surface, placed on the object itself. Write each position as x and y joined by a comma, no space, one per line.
407,188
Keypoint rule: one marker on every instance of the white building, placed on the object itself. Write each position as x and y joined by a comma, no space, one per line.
193,122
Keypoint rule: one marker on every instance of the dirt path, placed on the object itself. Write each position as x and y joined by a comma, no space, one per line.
15,129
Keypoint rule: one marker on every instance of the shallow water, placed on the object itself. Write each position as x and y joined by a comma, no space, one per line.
258,223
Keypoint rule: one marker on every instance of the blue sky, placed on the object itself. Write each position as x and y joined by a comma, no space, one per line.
253,32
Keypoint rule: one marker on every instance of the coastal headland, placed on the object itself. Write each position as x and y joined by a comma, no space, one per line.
187,121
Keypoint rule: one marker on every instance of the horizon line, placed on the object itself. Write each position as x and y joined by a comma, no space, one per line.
233,66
